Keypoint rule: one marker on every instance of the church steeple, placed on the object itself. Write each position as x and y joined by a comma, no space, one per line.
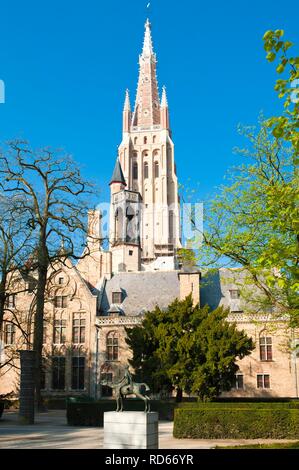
147,105
146,155
148,49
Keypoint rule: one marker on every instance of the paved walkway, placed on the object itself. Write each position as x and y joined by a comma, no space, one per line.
52,432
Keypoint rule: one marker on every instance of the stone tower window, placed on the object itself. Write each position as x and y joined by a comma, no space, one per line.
145,140
135,140
135,171
145,170
154,139
156,172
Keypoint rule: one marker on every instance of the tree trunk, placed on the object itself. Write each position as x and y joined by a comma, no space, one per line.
179,395
39,321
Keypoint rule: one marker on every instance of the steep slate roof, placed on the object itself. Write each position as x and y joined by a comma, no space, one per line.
142,291
118,176
216,284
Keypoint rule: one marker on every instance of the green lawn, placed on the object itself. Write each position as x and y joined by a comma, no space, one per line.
283,445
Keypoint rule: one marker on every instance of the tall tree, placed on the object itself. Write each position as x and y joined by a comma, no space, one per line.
16,243
56,210
249,225
191,348
254,220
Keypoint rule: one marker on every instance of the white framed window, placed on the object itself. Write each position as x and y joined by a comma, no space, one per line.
263,381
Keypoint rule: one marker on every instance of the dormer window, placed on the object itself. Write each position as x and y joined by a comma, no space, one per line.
234,294
116,297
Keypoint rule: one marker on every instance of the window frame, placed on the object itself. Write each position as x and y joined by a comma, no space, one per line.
59,330
9,333
61,363
263,381
79,329
61,301
78,373
266,348
112,346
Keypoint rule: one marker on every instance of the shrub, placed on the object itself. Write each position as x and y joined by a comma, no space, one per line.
91,413
237,421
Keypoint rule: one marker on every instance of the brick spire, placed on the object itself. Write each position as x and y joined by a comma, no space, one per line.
147,105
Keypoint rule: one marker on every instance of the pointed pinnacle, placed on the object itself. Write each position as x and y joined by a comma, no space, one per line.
127,105
147,43
164,102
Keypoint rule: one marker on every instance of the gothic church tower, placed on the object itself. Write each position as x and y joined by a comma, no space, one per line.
146,167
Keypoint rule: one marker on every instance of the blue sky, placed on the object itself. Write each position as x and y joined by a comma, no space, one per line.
66,65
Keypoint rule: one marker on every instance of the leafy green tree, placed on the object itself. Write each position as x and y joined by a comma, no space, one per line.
254,220
249,225
188,347
286,126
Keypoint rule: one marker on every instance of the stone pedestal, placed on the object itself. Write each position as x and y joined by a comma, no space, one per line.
130,430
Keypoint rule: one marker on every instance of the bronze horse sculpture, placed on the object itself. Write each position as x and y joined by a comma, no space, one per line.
127,387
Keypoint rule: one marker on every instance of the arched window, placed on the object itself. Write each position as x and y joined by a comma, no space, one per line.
112,346
135,171
145,170
135,140
154,139
145,140
156,172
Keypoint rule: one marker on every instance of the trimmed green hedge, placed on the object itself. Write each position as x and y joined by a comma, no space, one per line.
250,405
91,414
237,421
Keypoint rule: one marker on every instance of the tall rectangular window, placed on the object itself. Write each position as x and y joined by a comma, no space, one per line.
10,301
112,346
266,348
79,328
9,333
239,382
78,369
263,381
59,331
60,301
58,373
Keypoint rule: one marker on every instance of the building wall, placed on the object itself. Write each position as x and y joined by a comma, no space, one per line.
66,282
283,369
